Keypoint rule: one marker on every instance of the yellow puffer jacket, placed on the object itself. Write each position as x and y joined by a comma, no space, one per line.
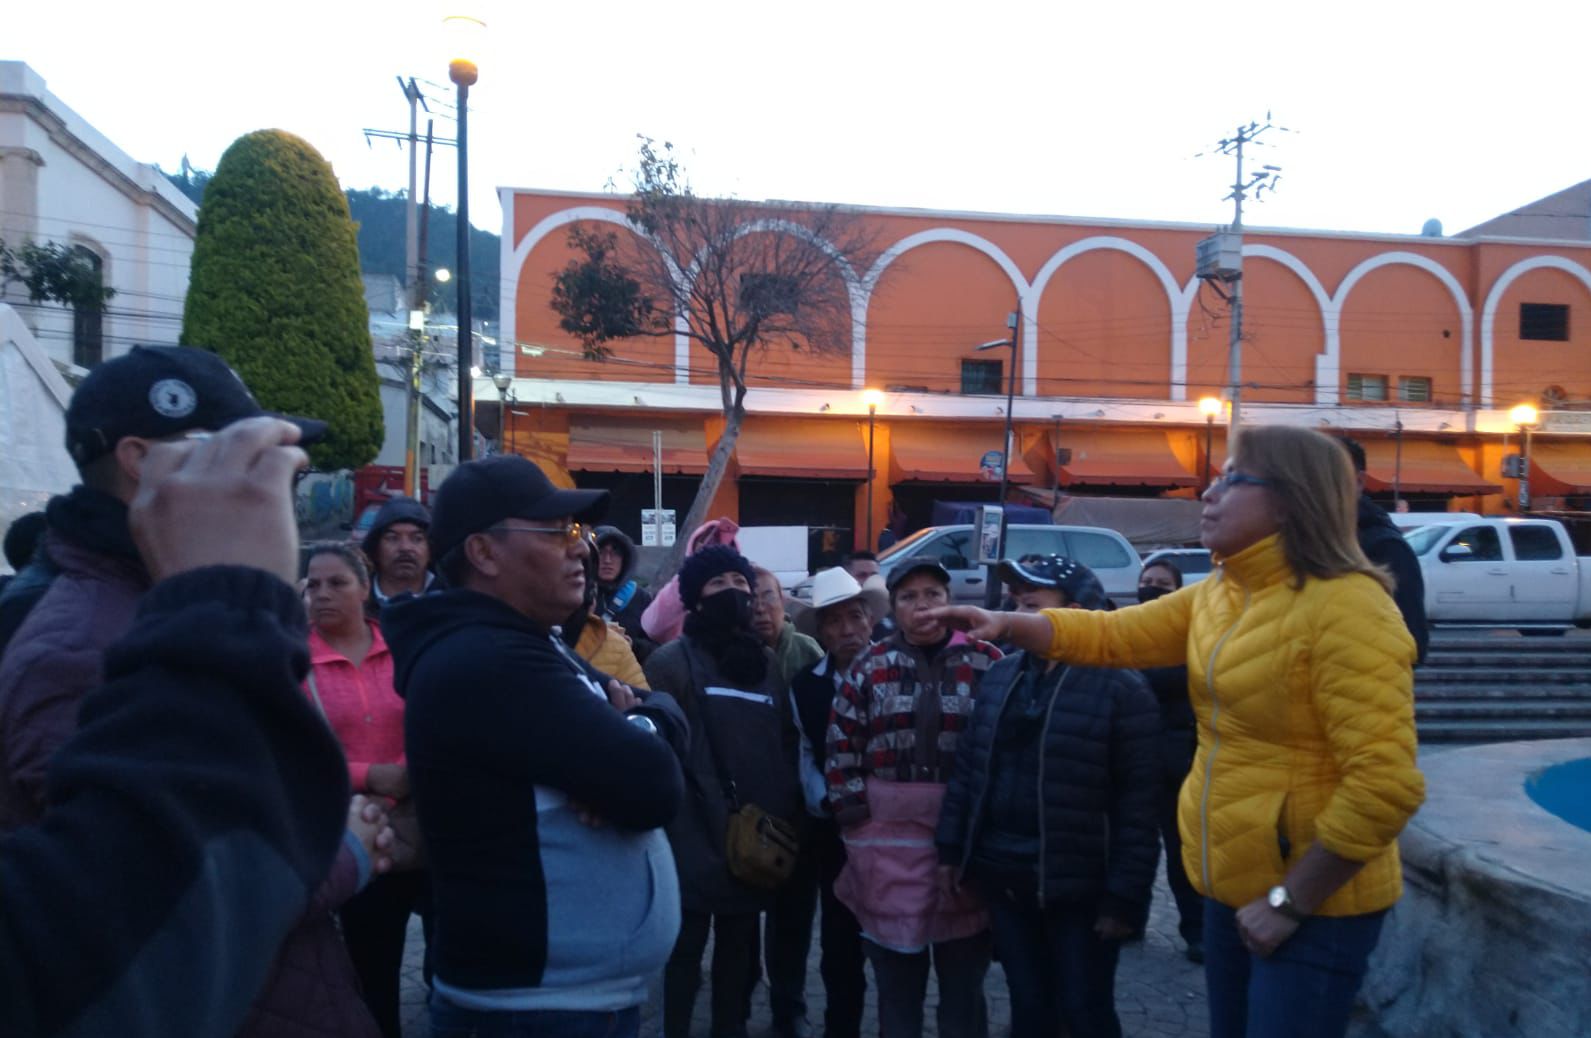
605,646
1306,721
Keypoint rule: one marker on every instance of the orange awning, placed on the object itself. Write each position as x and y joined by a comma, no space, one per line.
1560,469
803,448
1427,467
1120,458
947,452
625,445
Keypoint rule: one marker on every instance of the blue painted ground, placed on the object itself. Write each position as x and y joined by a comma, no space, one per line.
1565,790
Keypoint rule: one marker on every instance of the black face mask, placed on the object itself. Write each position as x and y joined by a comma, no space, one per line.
1149,592
726,610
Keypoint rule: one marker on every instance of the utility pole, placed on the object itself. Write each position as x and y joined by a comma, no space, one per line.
1220,257
417,339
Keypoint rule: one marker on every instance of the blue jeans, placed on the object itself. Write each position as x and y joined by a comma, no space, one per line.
902,979
1057,968
451,1021
1305,989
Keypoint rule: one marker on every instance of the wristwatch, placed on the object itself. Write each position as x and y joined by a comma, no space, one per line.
642,722
1281,899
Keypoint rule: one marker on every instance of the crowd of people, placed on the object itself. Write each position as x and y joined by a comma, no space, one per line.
264,761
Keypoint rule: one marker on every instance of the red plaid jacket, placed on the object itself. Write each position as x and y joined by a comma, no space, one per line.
898,715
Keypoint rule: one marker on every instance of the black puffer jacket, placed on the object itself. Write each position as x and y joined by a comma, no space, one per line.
624,600
1091,793
1383,543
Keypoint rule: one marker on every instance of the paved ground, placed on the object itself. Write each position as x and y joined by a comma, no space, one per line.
1159,993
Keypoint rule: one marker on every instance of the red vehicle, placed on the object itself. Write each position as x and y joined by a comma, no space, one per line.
374,486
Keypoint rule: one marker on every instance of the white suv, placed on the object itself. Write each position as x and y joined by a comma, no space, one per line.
1106,552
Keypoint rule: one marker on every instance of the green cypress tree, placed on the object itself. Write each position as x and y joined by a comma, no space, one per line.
275,290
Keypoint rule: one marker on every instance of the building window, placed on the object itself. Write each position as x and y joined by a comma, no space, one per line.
88,322
1367,387
1544,322
1414,389
981,377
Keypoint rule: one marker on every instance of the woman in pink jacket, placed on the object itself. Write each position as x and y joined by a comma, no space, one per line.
350,680
664,619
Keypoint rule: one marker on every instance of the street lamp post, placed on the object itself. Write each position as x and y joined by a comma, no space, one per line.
464,32
1209,406
872,398
1012,322
504,381
1524,417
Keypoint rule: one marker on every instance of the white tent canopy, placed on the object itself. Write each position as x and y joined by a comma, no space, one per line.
34,464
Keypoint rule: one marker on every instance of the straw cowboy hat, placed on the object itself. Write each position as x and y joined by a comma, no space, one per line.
833,586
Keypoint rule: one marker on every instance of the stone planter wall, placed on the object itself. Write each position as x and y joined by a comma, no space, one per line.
1493,935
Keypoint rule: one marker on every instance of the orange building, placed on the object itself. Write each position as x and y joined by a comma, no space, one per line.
1416,346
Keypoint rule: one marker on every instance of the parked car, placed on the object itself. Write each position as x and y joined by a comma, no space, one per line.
1407,521
1106,552
1503,572
1193,563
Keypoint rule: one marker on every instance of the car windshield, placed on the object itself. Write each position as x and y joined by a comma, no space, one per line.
906,545
1423,538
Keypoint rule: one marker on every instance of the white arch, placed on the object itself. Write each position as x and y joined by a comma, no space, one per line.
1494,298
1168,284
937,234
513,258
1327,370
854,292
1326,364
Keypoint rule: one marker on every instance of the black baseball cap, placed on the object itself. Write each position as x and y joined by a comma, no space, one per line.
157,391
481,494
905,570
1073,579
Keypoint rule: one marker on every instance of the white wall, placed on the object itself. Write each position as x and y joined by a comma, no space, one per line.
63,181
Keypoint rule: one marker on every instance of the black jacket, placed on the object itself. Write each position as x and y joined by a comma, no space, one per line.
752,730
1383,543
503,728
624,600
199,804
1092,797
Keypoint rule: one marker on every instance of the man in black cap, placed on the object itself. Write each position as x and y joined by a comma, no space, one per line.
1050,813
540,782
400,556
120,411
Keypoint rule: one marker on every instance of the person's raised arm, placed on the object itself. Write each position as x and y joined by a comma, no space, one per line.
202,798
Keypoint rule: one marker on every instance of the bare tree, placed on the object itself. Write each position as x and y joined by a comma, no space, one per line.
734,277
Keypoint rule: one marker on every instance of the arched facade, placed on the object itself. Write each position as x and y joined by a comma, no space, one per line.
1118,338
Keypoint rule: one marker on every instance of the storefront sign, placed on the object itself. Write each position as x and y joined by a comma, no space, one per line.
992,466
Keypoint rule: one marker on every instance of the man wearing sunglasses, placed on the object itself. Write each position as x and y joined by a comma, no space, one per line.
538,779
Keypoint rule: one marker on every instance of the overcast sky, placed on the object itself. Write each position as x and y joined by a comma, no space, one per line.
1401,110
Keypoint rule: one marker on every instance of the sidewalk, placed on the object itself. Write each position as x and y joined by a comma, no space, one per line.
1159,993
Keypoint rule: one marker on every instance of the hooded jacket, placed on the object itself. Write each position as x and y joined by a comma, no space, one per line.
1304,696
1055,787
1384,544
500,711
396,510
753,731
624,600
57,654
664,619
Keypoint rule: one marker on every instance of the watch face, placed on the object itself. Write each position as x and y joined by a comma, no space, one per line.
1277,897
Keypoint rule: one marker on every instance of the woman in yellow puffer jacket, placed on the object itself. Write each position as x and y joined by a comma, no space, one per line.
1301,673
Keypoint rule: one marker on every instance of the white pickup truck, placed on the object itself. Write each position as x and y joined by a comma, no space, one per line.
1503,572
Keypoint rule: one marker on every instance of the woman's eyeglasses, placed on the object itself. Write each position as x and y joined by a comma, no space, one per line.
1227,480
